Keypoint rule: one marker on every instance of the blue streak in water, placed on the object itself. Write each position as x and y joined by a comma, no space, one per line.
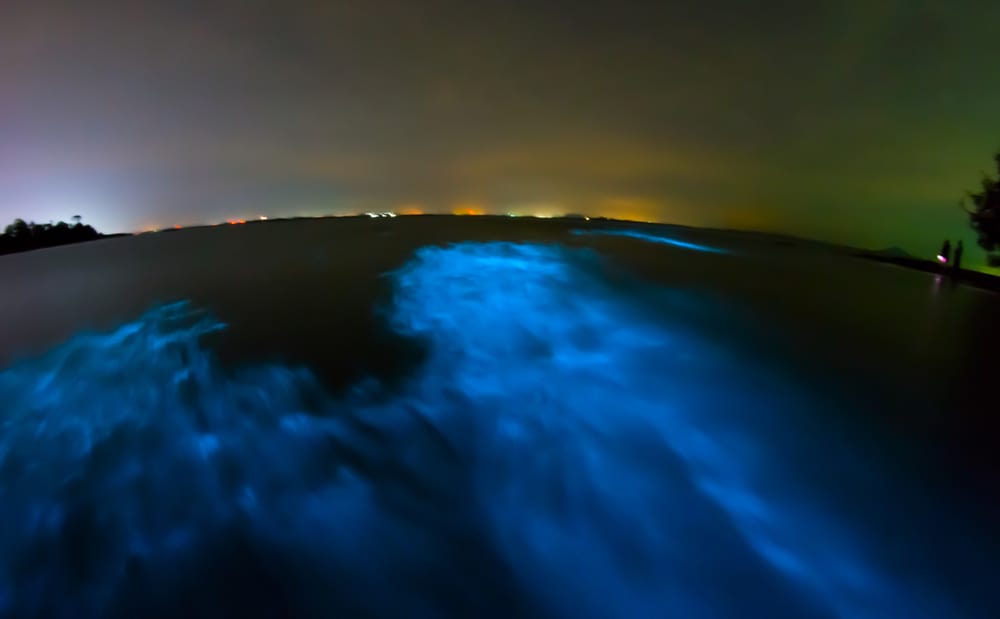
559,454
653,238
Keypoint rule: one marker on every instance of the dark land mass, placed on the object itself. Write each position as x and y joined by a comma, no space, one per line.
23,236
963,276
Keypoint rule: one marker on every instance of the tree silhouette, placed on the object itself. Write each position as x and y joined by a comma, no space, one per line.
23,236
985,215
18,230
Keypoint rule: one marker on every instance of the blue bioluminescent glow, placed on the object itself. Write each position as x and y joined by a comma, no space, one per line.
653,238
558,454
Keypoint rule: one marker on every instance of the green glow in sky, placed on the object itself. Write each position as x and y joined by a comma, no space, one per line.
857,122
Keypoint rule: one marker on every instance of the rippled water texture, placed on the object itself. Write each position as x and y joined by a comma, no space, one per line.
563,451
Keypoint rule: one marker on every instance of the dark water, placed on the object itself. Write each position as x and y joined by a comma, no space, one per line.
481,417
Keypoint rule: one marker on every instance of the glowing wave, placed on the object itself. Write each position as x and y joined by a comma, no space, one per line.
558,455
653,238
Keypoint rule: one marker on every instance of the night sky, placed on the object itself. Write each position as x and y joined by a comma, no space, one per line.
860,122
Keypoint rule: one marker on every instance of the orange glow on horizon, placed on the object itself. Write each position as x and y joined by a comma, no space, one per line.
468,209
410,209
630,209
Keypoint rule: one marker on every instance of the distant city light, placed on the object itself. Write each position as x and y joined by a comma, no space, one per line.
468,209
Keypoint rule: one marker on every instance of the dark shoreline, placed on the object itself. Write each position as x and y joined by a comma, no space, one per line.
20,250
978,279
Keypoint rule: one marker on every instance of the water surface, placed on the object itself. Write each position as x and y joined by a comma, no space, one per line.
450,416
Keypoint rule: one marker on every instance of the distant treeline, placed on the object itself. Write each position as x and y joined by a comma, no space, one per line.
23,236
